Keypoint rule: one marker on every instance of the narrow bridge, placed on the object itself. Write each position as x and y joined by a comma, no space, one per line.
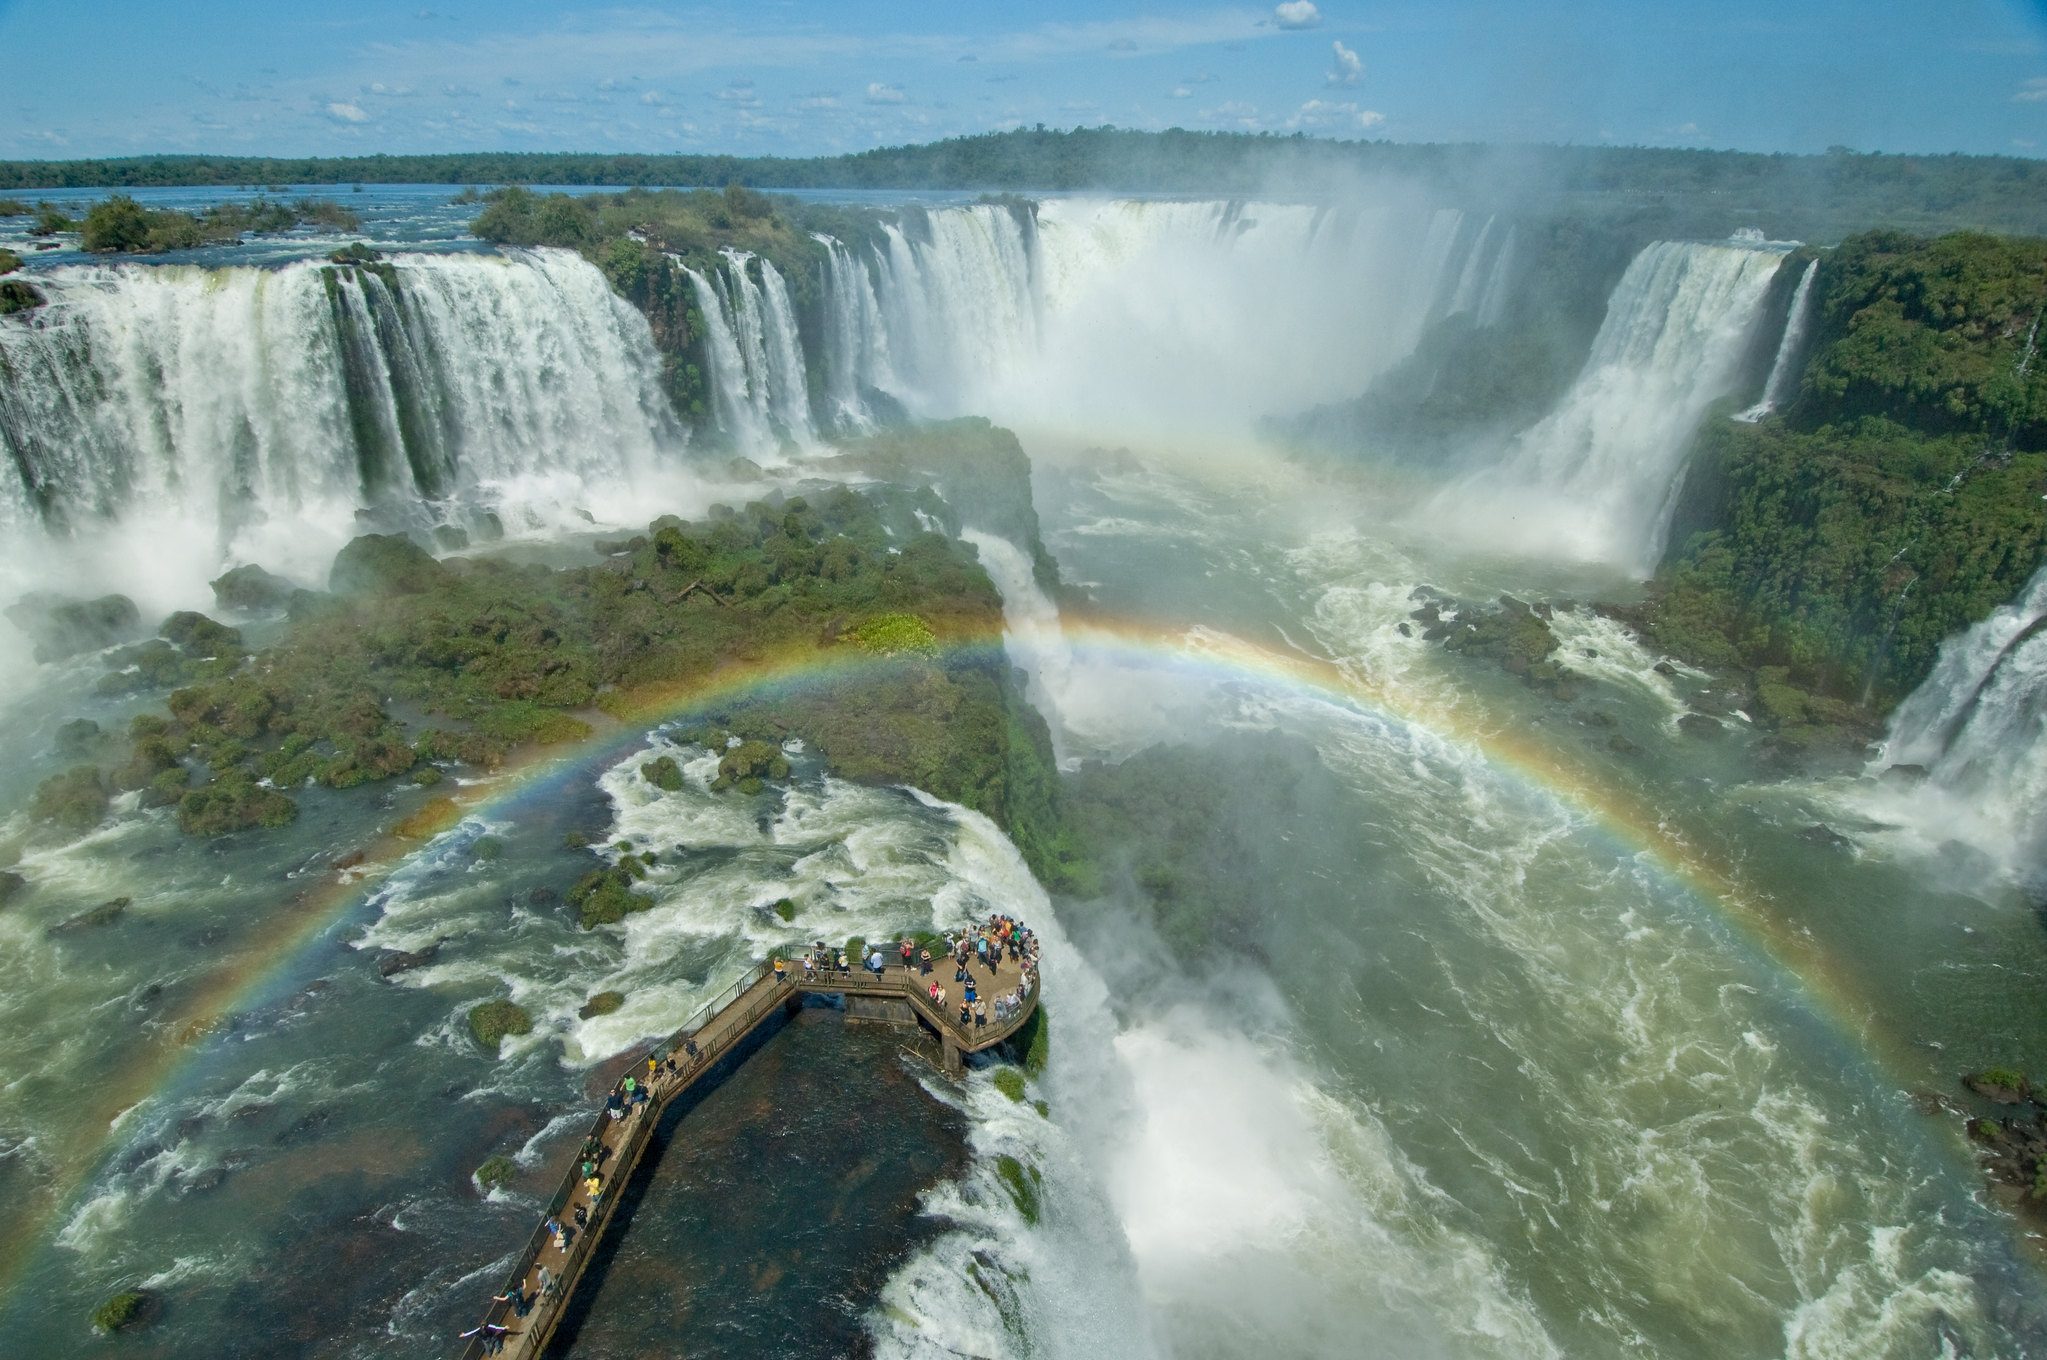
547,1277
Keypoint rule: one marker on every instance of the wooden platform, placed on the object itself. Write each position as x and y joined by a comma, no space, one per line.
549,1276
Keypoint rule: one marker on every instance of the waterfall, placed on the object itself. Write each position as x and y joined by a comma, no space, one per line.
1492,300
1190,319
856,343
1598,477
1030,629
1796,323
251,413
1978,726
760,390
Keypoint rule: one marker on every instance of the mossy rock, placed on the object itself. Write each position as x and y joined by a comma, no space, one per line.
495,1171
9,262
604,1003
605,897
1023,1183
1034,1040
429,819
105,914
1010,1082
385,564
2004,1085
233,802
73,802
426,776
19,295
79,737
491,1021
487,848
64,628
249,589
748,764
663,773
12,885
127,1309
784,908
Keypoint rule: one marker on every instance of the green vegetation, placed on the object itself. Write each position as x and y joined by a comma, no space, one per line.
9,262
122,1311
13,207
18,295
604,1003
748,766
604,897
896,635
1034,1040
663,773
1896,502
491,1021
1024,1183
2009,1078
418,664
121,225
72,802
1822,197
495,1171
1010,1082
784,909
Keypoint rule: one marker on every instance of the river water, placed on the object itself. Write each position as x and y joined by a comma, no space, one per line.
1543,1028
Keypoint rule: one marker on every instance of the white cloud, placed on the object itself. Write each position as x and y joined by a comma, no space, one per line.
652,97
1349,67
389,91
1325,113
739,92
1296,14
823,99
347,113
878,93
2033,92
1235,113
1182,92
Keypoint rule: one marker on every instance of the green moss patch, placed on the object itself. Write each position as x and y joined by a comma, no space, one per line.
604,1003
491,1021
1024,1185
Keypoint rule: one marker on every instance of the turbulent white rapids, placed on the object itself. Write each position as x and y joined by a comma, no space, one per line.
250,413
1116,316
1598,477
1977,726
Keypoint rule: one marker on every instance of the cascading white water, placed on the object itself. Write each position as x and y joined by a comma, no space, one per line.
1796,323
1139,318
249,413
855,346
1492,301
1597,479
760,389
1978,727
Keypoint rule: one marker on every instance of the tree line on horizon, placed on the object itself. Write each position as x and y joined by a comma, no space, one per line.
1821,195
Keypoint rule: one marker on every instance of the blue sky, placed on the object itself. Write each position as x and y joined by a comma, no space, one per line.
122,77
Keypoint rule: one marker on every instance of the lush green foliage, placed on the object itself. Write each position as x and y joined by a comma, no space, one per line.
391,677
9,262
1897,502
119,224
491,1021
72,802
1010,1082
896,635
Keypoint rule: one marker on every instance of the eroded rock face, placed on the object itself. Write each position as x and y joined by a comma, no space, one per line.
60,627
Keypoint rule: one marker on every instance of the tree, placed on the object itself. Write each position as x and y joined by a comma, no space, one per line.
118,224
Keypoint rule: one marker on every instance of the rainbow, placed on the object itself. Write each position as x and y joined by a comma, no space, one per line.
268,953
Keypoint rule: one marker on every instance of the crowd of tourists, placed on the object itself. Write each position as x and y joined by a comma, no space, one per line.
983,947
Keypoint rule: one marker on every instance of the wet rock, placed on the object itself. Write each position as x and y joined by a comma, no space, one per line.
61,627
12,885
451,537
1932,1103
392,962
1406,630
1904,776
199,1182
1589,653
385,564
2000,1084
106,913
541,896
1821,834
347,861
1621,746
1700,726
1597,719
1664,668
249,589
1436,632
77,738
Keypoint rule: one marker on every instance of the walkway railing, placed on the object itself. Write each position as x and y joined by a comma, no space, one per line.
718,1026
